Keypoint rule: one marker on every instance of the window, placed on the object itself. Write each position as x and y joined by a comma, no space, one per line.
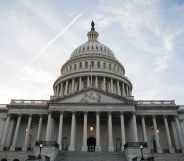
104,65
98,64
86,64
92,64
70,68
75,66
109,66
114,68
80,65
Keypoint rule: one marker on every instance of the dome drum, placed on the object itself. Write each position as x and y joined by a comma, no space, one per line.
108,84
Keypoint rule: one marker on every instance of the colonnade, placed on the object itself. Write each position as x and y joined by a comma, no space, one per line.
98,139
104,83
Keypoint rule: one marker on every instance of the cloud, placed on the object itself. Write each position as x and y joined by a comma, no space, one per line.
45,47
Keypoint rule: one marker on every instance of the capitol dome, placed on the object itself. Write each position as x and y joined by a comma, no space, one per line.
92,65
92,47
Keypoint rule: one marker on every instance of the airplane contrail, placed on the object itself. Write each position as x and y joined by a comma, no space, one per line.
45,47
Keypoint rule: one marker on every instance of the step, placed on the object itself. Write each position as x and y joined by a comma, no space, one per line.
90,156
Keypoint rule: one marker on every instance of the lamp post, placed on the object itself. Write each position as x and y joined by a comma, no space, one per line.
39,157
141,147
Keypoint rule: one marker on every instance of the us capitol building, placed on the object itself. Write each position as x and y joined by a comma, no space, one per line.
92,116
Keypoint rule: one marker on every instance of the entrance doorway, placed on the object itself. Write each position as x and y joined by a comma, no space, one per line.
91,143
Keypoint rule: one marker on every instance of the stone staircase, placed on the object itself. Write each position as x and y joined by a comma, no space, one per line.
169,157
90,156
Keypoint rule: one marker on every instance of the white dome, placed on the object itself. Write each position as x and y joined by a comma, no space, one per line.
92,47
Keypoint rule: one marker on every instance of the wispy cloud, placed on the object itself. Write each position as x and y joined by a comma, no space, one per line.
45,47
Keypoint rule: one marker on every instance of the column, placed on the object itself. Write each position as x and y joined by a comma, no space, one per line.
130,91
108,87
39,128
144,129
159,150
73,81
61,89
122,131
179,133
4,132
127,90
24,148
47,137
135,127
58,90
60,131
96,82
84,147
104,84
118,88
171,149
72,138
80,83
12,148
110,136
88,83
66,88
175,134
123,90
111,85
98,147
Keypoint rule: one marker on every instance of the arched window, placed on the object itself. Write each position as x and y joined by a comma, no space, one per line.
98,64
109,66
75,66
86,64
80,65
104,65
92,64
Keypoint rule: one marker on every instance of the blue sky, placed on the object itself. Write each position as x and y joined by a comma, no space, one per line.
38,36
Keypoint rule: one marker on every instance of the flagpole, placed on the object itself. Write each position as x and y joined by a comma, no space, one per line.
91,73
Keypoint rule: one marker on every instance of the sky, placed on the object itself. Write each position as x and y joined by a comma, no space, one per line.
38,36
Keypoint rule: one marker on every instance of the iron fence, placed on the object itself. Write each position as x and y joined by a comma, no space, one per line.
47,143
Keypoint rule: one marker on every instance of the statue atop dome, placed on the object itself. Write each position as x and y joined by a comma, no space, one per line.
92,26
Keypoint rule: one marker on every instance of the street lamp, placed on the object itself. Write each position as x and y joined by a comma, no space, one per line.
41,145
141,147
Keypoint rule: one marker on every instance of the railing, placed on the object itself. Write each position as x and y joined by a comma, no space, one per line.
134,159
150,159
178,150
2,105
28,102
6,148
156,102
47,143
31,157
135,145
18,148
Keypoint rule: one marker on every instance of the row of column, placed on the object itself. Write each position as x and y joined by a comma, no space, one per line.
25,145
123,140
66,88
98,146
158,147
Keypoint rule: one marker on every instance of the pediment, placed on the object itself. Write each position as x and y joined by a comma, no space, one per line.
92,96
